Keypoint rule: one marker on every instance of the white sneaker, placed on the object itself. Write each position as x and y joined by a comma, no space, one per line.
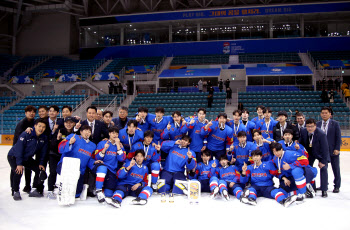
51,195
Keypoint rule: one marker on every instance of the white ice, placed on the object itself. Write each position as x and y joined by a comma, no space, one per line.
40,213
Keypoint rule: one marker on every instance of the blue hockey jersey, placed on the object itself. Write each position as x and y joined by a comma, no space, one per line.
229,174
177,158
194,131
236,129
242,153
158,126
261,175
175,133
152,154
205,171
263,127
112,155
126,140
265,149
291,147
218,139
80,149
249,126
137,174
293,158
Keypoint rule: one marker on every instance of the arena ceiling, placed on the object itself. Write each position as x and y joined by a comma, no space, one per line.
92,8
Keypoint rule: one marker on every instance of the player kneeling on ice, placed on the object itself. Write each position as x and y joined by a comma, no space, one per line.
295,174
132,180
179,156
152,156
261,175
79,147
21,155
204,171
226,175
110,152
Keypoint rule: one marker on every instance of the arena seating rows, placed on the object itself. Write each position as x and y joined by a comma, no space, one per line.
331,55
27,62
67,66
117,65
6,62
186,103
105,99
6,100
269,57
201,59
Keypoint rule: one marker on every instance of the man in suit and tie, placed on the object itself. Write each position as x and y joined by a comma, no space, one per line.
300,121
98,133
315,142
332,129
99,130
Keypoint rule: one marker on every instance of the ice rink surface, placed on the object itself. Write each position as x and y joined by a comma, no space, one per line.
40,213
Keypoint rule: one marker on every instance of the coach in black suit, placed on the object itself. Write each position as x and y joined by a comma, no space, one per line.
332,130
99,130
315,142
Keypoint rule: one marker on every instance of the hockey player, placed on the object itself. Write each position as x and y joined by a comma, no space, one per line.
260,112
179,156
295,174
132,180
55,156
288,143
261,175
220,136
249,125
141,118
79,146
236,125
176,130
204,171
20,156
130,135
266,124
228,180
263,145
158,123
241,151
111,152
152,156
193,127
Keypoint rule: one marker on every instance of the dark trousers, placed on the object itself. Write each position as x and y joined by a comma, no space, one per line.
53,161
27,176
324,173
126,189
336,170
16,178
205,185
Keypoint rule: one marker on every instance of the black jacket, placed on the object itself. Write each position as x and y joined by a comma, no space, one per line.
320,149
21,127
277,131
54,142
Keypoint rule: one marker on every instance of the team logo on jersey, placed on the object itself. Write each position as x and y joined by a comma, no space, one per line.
123,136
21,139
236,146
